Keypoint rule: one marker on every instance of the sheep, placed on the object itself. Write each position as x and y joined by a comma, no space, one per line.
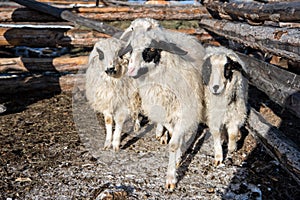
169,82
109,92
226,92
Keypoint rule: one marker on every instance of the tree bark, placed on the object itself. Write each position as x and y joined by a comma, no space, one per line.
283,42
69,16
278,146
109,13
280,11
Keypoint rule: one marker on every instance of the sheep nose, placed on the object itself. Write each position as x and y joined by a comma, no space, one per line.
110,71
216,87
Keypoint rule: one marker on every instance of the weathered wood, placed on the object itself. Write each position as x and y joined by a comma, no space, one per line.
49,37
280,11
109,13
59,64
54,37
283,42
278,146
282,87
69,16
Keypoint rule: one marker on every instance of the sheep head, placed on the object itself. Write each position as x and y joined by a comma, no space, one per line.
115,66
219,68
146,53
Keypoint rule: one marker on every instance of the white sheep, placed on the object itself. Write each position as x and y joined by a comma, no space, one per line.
226,93
110,92
169,82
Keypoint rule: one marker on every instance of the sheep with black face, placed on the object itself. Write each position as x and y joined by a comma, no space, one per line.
166,67
109,91
226,92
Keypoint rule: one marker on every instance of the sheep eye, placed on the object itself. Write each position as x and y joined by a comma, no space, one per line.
152,49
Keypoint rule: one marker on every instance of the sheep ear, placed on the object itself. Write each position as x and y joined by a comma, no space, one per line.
206,71
100,54
236,65
124,50
167,46
125,36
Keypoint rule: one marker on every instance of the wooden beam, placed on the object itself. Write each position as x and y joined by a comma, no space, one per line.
279,11
282,86
109,13
56,37
59,64
69,16
277,145
54,82
49,37
283,42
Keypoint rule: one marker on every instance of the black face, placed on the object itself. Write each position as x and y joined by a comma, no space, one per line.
152,55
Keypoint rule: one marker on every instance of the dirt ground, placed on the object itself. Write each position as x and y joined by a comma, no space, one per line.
51,148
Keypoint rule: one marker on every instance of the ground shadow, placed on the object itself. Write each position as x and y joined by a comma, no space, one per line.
22,88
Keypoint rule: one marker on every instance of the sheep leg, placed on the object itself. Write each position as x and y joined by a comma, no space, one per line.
171,173
165,137
161,135
174,148
217,147
180,151
119,120
137,125
159,131
233,131
108,120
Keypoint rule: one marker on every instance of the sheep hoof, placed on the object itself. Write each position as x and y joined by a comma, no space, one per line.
171,182
116,149
116,146
164,139
170,186
107,145
217,162
158,136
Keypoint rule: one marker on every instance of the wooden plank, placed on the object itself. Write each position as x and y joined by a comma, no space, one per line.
279,11
283,42
277,145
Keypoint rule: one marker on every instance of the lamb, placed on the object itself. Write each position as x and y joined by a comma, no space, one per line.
169,82
226,93
109,92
